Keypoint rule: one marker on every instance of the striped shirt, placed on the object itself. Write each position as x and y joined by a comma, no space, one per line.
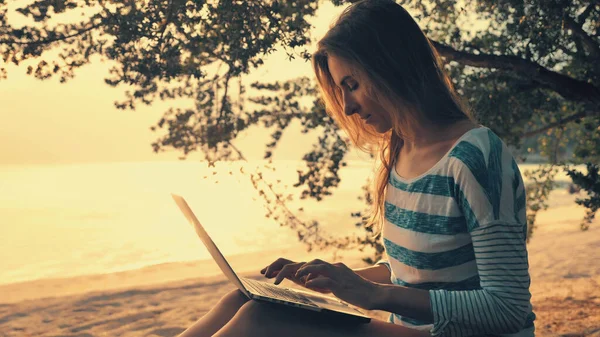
459,231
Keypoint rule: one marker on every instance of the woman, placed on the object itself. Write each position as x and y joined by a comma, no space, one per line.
449,199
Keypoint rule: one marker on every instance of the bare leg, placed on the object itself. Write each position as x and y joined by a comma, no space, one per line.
267,320
218,316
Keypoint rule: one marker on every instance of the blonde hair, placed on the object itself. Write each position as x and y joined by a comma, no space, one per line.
399,68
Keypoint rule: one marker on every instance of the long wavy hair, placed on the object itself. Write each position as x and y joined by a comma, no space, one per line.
399,68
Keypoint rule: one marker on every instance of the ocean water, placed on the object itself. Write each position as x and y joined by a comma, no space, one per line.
68,220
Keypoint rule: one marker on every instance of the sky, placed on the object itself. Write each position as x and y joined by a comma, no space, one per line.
46,122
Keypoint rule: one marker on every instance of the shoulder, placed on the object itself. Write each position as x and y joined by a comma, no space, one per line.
480,149
477,144
488,183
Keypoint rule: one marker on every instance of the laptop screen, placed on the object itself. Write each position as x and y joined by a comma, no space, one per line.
208,242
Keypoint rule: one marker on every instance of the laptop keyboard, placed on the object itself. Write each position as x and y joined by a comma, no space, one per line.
270,290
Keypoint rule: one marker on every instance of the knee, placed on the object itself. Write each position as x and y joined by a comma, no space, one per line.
250,320
254,312
254,316
234,298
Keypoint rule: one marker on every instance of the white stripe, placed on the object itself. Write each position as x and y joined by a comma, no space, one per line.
423,242
500,242
507,199
472,190
501,255
423,203
414,275
522,215
521,187
481,140
516,292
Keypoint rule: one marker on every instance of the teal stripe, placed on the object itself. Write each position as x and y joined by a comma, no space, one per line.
489,177
519,204
470,218
466,284
494,171
423,222
430,184
430,261
473,158
515,186
520,201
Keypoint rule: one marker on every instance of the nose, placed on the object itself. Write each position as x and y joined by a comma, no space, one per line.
350,105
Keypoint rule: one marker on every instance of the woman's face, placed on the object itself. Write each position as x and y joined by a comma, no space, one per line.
355,98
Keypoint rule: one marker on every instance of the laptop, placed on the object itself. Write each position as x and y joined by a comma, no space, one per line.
269,292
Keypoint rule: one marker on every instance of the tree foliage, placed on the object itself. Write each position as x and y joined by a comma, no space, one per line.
530,70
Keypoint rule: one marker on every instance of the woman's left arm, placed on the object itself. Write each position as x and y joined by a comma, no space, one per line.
500,306
409,302
489,190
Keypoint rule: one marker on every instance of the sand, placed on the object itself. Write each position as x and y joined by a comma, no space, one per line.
163,300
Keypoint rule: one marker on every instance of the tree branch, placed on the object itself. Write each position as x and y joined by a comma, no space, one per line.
240,154
561,122
565,86
589,43
222,109
164,28
54,39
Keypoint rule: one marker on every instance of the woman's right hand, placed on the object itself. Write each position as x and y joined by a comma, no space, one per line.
286,269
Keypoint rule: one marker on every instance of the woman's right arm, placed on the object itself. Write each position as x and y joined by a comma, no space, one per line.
378,273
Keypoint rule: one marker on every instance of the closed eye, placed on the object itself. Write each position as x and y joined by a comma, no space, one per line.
352,85
349,83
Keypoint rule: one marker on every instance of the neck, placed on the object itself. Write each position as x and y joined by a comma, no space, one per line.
422,135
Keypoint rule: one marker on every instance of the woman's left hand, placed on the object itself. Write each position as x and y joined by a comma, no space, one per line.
342,281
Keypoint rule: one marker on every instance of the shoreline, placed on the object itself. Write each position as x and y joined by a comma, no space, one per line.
158,274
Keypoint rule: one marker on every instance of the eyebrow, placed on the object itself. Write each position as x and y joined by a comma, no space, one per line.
344,79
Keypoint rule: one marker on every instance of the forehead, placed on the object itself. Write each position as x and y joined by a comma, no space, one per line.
338,68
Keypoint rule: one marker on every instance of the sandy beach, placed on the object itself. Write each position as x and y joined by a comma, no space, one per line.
163,300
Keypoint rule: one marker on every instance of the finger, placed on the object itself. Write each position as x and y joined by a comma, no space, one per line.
322,283
303,279
340,265
319,269
270,270
287,271
314,262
